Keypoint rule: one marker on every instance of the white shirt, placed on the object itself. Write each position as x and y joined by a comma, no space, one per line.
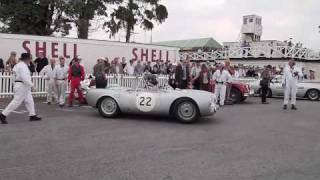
48,73
129,69
195,71
22,73
236,74
224,77
289,75
61,73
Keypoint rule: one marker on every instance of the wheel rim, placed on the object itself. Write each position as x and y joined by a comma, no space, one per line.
109,106
313,95
186,110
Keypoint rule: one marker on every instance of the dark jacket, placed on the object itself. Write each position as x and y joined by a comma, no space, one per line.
179,73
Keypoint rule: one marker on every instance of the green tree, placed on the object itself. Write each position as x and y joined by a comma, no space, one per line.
136,12
37,17
81,12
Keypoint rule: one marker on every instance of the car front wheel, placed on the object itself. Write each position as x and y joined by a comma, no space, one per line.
108,107
313,95
186,111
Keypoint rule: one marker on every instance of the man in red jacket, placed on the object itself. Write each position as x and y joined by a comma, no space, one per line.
76,75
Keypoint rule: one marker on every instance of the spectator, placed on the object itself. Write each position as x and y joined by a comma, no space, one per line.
41,62
204,78
139,69
116,67
148,67
182,75
129,68
48,73
32,68
123,62
171,72
236,74
107,65
99,73
265,83
312,75
195,72
1,65
12,61
157,68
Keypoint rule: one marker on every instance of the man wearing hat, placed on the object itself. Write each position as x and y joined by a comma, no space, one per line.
76,75
22,88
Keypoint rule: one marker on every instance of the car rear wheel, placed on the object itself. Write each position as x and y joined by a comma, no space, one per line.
186,111
108,107
313,95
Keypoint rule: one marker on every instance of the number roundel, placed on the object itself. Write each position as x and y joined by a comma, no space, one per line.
146,102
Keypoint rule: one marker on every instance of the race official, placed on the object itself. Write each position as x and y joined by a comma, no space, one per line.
221,77
22,88
48,73
61,80
76,75
291,75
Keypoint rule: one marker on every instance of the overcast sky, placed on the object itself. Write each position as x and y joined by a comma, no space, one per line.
222,19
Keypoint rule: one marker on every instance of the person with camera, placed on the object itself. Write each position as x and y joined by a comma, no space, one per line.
291,75
265,83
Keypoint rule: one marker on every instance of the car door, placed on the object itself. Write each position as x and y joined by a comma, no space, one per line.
276,87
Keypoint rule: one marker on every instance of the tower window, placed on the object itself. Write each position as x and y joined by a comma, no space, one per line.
245,21
250,20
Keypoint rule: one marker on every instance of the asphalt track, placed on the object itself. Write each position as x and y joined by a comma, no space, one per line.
249,141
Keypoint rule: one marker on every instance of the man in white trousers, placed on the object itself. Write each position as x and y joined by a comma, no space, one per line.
61,80
22,90
291,75
221,77
48,74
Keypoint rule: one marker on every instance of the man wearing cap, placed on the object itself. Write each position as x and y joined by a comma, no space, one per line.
61,78
48,73
22,88
76,75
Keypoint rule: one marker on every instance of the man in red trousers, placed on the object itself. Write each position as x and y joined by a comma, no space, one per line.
76,75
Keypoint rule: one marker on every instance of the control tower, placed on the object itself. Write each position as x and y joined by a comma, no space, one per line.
251,30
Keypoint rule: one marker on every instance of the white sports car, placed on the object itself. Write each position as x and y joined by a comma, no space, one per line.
184,105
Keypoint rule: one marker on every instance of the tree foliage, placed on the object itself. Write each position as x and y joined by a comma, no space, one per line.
81,12
38,17
136,12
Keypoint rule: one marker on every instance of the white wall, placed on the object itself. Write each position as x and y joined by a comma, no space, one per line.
88,50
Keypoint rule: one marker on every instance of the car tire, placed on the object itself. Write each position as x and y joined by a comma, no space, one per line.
313,95
186,111
235,95
108,107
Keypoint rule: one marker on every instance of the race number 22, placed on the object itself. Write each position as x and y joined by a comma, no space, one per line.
146,102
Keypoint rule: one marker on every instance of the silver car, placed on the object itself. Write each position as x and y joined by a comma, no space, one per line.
306,89
149,99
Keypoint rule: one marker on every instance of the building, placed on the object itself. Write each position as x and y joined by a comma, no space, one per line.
201,44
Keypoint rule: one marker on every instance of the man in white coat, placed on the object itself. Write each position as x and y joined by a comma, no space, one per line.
221,77
61,80
291,75
22,90
48,74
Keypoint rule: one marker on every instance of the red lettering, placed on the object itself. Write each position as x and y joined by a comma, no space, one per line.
75,50
54,50
25,46
153,55
160,56
42,49
146,54
65,51
134,53
167,58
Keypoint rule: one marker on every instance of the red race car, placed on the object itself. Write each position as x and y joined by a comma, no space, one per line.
239,91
